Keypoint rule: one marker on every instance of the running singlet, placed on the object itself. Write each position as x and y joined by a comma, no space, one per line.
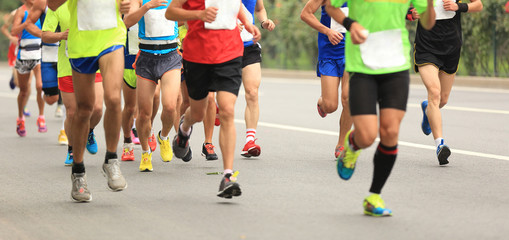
326,50
49,50
155,29
60,17
217,42
445,37
29,45
95,26
386,50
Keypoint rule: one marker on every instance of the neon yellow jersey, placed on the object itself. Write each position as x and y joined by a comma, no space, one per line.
60,17
387,49
95,26
182,33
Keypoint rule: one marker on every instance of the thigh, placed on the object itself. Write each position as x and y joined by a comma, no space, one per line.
112,70
252,76
363,94
329,87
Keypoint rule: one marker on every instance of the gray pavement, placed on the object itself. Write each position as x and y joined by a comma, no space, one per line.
290,192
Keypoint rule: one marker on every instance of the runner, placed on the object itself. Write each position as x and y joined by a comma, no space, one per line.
212,63
96,40
252,74
56,28
13,45
158,59
28,59
374,79
331,66
437,54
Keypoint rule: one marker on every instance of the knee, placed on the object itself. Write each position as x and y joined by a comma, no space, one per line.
251,94
50,100
70,112
364,139
443,100
329,106
226,113
197,116
84,111
389,132
344,101
434,96
112,102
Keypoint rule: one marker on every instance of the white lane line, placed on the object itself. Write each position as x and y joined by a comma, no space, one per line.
402,143
464,109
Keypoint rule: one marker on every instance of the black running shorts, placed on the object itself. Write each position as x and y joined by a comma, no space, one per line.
445,63
388,90
252,55
204,78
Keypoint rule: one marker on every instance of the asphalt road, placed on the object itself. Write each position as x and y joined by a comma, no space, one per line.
291,191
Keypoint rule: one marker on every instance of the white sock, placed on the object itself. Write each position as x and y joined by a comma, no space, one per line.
143,151
163,138
250,134
63,121
134,123
184,132
226,171
439,141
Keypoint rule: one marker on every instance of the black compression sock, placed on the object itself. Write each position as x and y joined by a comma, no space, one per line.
128,140
384,160
78,168
110,155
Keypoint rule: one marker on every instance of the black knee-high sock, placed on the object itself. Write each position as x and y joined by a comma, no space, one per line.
59,98
384,161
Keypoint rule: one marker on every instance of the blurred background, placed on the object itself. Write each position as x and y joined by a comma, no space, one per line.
293,44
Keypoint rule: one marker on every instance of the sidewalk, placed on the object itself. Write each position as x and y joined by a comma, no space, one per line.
464,81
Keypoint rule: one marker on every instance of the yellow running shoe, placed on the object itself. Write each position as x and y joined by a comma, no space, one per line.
62,138
166,152
347,159
374,206
146,162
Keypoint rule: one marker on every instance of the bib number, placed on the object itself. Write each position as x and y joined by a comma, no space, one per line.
226,17
30,49
441,13
49,53
134,41
156,24
97,15
383,49
337,26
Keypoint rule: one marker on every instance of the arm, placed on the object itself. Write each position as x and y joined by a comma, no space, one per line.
308,16
53,37
473,6
17,26
54,4
261,14
427,18
357,32
175,12
5,28
36,10
249,25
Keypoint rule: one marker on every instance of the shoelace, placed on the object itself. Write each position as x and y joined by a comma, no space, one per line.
80,182
91,139
209,148
115,169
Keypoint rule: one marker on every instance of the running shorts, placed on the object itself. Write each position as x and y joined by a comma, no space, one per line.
152,67
330,67
252,55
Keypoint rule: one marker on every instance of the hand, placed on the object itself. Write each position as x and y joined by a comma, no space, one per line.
254,31
450,5
209,14
415,14
334,37
268,24
64,35
13,39
125,6
156,3
240,26
358,33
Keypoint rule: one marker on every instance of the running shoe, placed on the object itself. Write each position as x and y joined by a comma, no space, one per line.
62,138
11,83
134,136
217,122
374,206
41,124
229,187
91,143
426,129
20,127
111,170
208,152
152,142
346,161
80,191
59,112
146,162
26,113
320,111
443,153
128,152
188,156
251,149
339,150
166,152
180,143
69,160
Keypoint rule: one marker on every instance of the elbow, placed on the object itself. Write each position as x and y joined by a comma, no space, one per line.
168,14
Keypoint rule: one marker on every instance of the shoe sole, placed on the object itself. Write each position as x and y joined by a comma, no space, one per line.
424,119
109,188
147,170
252,152
81,201
209,158
127,160
443,155
231,191
188,157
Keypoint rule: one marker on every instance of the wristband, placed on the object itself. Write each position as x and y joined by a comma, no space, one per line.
462,7
347,23
261,24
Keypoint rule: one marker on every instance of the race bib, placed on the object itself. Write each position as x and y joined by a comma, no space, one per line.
30,49
226,17
337,26
383,49
49,53
156,24
245,35
134,41
441,13
97,14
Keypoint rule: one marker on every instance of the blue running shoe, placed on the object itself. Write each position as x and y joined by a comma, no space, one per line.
11,83
69,160
26,112
346,161
443,152
91,143
426,129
